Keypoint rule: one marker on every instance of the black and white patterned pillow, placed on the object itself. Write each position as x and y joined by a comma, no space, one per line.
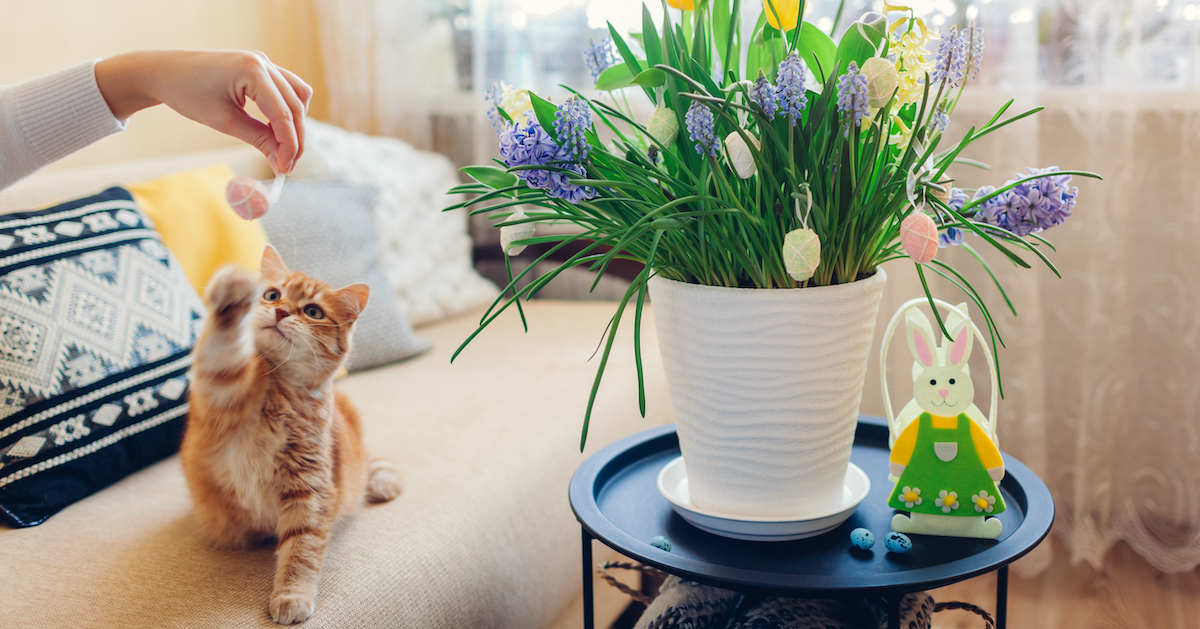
97,323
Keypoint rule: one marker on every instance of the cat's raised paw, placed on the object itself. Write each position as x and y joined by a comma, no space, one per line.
289,609
230,293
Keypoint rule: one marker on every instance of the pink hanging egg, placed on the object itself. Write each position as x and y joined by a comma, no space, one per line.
248,197
919,237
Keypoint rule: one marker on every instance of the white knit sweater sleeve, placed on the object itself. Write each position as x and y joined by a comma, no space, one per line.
48,118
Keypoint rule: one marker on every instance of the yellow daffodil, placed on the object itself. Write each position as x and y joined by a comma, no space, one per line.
912,59
682,5
786,12
902,134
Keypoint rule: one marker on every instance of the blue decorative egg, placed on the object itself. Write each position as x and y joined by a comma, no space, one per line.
863,538
897,542
661,542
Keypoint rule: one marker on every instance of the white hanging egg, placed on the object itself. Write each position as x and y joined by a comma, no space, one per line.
882,80
510,233
663,126
739,155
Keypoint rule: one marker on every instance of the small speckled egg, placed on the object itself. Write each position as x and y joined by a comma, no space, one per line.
897,542
862,538
661,542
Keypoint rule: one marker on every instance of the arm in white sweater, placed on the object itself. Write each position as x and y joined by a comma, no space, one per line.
48,118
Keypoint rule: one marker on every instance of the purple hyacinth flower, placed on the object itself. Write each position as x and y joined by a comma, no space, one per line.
1033,205
951,237
528,145
765,95
940,119
974,37
492,95
699,121
598,57
560,186
852,97
790,93
571,123
951,60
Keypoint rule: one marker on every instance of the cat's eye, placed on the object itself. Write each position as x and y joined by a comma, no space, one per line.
271,295
314,312
952,381
933,383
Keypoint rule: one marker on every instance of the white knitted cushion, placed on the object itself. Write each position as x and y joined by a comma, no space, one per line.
426,252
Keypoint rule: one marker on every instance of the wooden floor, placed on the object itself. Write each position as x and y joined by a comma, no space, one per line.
1127,594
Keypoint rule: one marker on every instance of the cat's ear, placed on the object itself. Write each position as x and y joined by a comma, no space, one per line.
273,266
354,298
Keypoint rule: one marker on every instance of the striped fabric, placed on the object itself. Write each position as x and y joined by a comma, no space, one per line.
97,322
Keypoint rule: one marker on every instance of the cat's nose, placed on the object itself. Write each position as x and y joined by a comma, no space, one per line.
941,392
280,313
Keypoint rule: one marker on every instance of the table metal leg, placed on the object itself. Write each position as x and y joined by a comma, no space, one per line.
589,613
1002,598
893,610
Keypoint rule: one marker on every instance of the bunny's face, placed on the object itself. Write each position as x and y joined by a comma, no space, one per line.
943,387
944,391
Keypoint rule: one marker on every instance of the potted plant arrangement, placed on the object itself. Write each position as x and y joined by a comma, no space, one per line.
763,193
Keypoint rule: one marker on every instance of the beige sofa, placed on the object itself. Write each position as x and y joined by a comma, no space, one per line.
483,535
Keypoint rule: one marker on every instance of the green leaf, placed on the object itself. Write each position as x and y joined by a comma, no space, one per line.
817,49
490,176
858,44
545,111
626,54
672,222
614,78
650,78
652,46
720,27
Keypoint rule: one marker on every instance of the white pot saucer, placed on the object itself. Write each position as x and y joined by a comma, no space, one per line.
673,485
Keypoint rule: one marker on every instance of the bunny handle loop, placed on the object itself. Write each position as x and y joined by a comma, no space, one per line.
893,427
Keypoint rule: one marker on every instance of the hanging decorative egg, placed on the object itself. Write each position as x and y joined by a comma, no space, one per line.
919,237
510,233
663,126
882,80
802,253
739,155
248,197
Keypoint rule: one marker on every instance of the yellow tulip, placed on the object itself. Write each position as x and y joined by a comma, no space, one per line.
788,12
682,5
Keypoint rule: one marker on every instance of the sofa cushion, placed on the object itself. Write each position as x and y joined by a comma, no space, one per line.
97,322
198,226
323,229
483,535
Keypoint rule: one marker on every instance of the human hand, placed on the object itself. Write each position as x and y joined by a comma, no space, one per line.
212,87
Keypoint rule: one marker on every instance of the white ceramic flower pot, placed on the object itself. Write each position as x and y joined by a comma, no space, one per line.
766,386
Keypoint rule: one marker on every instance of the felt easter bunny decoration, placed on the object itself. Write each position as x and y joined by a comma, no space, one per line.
946,465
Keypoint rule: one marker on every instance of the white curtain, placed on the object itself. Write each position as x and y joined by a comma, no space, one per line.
1102,368
382,59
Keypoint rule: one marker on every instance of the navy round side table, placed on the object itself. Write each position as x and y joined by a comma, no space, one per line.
614,495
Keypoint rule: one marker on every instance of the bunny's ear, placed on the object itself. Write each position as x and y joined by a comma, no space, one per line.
920,337
953,320
960,351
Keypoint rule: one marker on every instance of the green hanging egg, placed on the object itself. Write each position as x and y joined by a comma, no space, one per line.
801,253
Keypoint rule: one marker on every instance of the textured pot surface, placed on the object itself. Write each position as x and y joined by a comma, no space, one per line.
766,386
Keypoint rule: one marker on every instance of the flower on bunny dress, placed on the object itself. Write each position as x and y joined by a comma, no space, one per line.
947,500
983,502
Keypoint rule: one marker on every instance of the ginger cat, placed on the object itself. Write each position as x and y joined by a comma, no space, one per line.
271,449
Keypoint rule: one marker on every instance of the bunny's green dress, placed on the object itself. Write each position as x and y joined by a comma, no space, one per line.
945,475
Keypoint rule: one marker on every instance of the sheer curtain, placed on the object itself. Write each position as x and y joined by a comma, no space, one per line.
390,65
1100,369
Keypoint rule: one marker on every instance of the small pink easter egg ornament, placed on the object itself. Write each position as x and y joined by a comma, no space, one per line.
249,197
918,236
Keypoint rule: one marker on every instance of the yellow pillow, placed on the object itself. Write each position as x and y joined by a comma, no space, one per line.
197,225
